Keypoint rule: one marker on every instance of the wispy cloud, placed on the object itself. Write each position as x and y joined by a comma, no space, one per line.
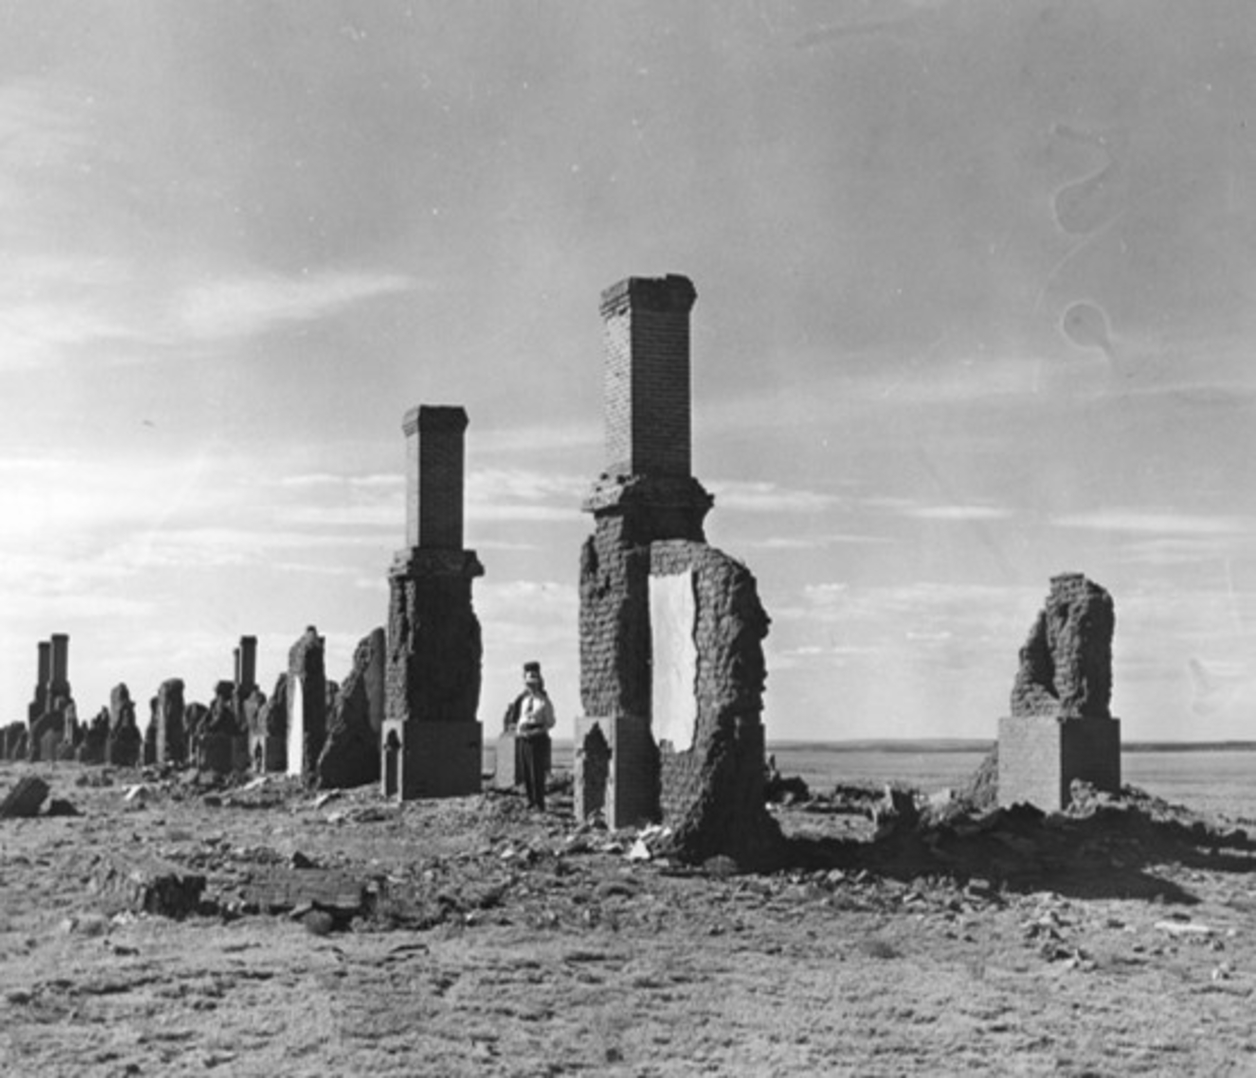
538,438
248,305
957,513
1155,522
761,497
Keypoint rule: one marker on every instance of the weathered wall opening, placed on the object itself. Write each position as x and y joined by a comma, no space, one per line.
671,629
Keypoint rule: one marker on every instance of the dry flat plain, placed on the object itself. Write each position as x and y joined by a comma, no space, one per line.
494,941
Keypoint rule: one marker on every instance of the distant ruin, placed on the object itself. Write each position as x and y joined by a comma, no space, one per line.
307,705
1060,728
671,629
52,721
124,743
431,739
268,731
351,752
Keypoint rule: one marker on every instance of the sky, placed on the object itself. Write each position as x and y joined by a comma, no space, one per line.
975,307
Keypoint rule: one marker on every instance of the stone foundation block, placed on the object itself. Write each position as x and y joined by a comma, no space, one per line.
616,770
431,759
1041,755
507,773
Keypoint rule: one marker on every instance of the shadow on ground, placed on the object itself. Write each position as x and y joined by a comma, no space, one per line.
1111,847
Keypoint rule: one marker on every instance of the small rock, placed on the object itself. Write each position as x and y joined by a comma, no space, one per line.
24,799
639,851
318,922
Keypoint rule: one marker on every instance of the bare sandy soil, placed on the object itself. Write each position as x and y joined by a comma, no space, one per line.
492,941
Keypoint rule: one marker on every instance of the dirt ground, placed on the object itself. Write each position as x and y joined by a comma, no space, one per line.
494,941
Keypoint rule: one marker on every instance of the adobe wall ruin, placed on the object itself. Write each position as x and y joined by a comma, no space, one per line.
307,705
351,753
671,629
1061,728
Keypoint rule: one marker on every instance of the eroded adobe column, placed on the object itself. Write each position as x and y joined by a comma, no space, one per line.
1061,727
431,739
39,702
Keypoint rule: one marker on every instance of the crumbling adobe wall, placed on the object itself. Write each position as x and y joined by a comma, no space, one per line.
614,622
435,655
171,745
1066,663
711,794
351,755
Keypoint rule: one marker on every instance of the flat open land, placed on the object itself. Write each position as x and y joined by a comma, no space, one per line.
348,936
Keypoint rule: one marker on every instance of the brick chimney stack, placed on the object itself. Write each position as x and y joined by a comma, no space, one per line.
647,382
435,461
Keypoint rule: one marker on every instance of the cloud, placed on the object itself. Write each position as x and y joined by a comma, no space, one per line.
959,513
245,306
764,497
538,438
1155,522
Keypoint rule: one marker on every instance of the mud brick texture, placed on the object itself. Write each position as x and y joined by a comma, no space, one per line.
432,677
146,884
277,888
647,378
168,716
435,465
1066,663
711,794
351,755
1040,756
434,648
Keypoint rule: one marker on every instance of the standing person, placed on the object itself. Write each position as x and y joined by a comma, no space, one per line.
535,719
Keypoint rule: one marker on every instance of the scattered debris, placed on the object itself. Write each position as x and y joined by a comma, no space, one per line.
143,883
24,799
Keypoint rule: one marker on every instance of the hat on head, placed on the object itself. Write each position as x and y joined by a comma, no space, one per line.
532,671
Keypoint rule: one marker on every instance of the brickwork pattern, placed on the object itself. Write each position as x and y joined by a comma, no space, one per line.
435,465
647,376
1066,663
711,794
432,675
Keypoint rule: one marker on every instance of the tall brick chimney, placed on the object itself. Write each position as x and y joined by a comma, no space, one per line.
647,483
58,683
434,476
246,663
647,391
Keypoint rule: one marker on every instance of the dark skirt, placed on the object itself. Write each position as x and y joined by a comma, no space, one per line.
534,762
